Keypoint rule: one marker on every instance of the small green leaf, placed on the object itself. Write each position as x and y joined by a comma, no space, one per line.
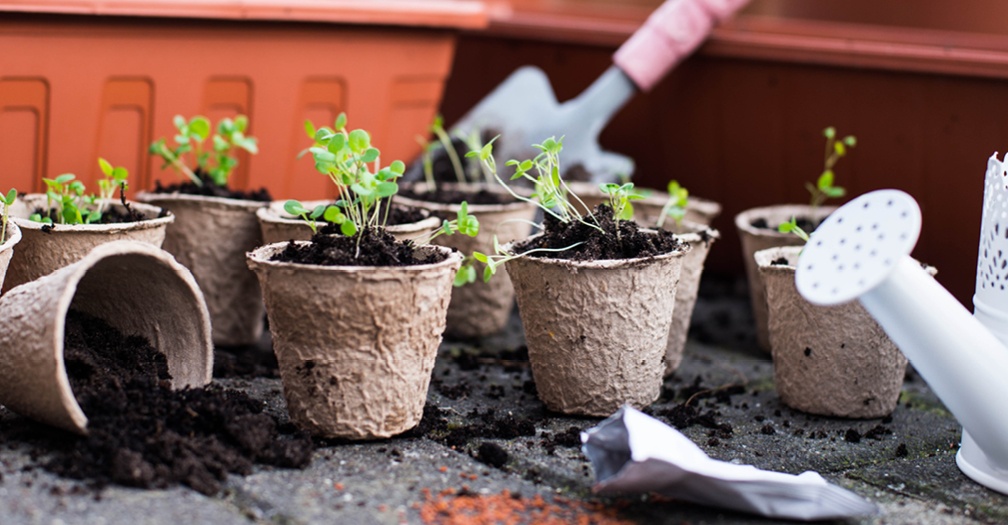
829,132
359,140
336,143
370,155
825,180
386,189
397,167
294,207
200,127
11,196
348,228
334,215
340,122
65,178
488,272
105,166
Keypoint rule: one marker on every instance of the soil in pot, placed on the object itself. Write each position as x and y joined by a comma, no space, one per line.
624,240
211,189
143,434
377,247
111,214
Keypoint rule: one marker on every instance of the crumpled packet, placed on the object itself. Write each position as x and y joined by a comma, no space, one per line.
632,452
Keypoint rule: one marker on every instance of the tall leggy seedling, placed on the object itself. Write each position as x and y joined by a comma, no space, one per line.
8,201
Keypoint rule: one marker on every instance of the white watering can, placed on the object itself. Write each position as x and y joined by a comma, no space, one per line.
862,251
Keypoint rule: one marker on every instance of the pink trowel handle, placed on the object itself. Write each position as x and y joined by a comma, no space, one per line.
669,35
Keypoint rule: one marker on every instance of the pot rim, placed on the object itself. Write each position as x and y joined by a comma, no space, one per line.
743,221
601,264
243,204
272,214
474,209
143,207
260,256
13,236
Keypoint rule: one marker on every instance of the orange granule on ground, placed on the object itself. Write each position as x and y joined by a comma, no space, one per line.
465,508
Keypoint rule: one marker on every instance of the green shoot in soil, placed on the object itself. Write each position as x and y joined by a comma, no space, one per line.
8,201
218,162
675,205
792,227
835,150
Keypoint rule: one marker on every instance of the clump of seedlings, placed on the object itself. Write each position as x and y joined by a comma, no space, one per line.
362,208
67,202
607,232
190,157
448,146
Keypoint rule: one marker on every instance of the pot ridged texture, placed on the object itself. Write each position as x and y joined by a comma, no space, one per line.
355,345
482,308
756,239
277,226
852,368
688,289
136,288
596,332
40,253
210,237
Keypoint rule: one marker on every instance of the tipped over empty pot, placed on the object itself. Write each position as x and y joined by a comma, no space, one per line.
46,248
355,344
134,287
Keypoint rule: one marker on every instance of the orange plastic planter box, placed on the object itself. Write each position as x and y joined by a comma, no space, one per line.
88,78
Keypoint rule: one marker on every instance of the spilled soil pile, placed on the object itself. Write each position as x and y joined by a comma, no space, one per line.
377,247
143,434
608,240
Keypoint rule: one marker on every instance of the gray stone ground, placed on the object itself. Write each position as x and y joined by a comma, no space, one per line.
384,482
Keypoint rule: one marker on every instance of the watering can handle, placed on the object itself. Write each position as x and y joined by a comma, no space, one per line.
669,35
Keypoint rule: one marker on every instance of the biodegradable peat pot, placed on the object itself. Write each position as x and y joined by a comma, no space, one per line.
7,248
210,237
133,286
596,331
481,308
832,361
755,239
699,237
647,210
355,344
277,225
44,249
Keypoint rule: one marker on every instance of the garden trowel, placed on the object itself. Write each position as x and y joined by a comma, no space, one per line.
523,110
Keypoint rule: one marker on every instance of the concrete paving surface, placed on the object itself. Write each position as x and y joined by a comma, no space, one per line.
905,463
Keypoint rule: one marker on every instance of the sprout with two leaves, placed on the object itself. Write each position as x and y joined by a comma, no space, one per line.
65,195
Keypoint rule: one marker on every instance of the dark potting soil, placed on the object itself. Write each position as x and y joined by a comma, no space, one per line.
806,224
244,362
624,241
143,434
377,248
397,215
111,215
454,195
210,189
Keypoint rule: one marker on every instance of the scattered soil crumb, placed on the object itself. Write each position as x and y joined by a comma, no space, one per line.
492,454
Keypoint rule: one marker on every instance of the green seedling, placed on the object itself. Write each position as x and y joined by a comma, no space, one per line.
327,212
365,188
620,196
471,172
824,187
675,205
115,179
8,201
191,158
792,227
65,194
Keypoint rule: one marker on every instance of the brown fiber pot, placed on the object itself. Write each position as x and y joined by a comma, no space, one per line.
40,253
7,249
755,239
648,210
596,331
278,226
833,361
210,237
133,286
479,309
355,344
700,238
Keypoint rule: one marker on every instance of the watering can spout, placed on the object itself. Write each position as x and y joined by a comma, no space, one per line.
862,252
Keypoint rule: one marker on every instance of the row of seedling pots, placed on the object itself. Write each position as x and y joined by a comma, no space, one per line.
355,343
